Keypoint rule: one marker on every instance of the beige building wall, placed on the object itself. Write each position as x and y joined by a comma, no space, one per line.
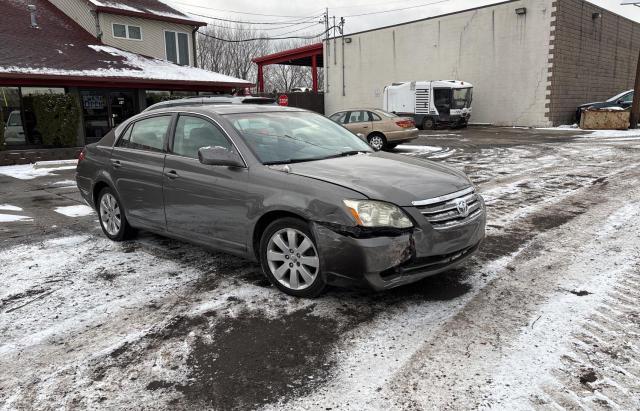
152,43
79,11
503,54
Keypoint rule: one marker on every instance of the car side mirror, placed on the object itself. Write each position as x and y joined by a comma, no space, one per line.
219,156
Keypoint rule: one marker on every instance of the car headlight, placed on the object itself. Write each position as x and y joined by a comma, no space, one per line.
368,213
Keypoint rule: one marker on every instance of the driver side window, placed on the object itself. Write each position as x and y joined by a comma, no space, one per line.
193,133
628,98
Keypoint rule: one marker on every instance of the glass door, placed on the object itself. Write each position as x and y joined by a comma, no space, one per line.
104,110
96,115
122,106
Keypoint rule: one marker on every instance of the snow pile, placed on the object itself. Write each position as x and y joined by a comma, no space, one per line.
75,211
29,172
613,134
9,218
9,207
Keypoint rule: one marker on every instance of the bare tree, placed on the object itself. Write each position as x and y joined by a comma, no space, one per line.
233,57
224,49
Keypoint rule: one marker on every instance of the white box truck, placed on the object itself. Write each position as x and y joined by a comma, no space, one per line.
431,103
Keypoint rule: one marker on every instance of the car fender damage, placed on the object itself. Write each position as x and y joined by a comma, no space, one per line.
348,254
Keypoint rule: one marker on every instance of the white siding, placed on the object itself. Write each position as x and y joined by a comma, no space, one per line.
152,43
79,11
504,55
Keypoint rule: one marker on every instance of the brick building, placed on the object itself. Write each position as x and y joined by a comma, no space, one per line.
532,62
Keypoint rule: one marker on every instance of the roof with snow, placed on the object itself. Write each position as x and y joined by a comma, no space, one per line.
60,52
150,9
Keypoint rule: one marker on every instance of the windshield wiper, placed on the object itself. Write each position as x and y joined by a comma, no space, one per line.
347,153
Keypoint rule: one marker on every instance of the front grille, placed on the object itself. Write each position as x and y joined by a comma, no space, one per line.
445,212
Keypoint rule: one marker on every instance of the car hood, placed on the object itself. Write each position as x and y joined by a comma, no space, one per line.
387,177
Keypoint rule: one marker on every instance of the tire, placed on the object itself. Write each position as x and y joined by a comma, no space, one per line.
377,141
293,270
111,215
428,123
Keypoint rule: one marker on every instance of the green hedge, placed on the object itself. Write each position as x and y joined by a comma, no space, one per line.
57,118
2,146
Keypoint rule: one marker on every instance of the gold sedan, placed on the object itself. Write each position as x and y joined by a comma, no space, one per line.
382,130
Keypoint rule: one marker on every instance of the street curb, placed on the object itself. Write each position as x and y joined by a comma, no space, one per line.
55,163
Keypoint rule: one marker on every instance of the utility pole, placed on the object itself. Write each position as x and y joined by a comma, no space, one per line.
341,29
335,44
325,59
635,106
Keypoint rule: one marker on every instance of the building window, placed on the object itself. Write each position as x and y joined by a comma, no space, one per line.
38,116
177,47
124,31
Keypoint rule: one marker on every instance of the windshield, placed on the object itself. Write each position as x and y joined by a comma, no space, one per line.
289,137
386,113
619,96
461,98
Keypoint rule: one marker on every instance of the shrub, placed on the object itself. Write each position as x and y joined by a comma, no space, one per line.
57,118
2,146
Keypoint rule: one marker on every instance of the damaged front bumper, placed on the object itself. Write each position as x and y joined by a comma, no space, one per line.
390,259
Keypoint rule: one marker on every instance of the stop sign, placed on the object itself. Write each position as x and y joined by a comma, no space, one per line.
283,100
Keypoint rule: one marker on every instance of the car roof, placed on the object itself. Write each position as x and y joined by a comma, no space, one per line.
359,109
228,109
214,99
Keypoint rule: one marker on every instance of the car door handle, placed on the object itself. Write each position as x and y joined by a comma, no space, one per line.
173,174
116,163
365,126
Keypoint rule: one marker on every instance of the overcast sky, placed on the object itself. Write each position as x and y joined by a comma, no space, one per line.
338,8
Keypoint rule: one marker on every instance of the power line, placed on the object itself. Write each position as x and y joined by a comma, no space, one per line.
399,9
280,23
237,12
265,38
261,29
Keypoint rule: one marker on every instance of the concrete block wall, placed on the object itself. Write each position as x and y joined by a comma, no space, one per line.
502,53
590,59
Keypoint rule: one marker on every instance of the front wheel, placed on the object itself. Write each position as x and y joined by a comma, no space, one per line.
290,258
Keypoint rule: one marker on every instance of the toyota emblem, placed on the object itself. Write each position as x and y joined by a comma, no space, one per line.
462,207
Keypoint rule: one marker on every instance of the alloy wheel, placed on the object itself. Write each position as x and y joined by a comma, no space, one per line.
293,259
110,215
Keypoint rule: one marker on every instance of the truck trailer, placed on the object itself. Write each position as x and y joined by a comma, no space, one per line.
431,103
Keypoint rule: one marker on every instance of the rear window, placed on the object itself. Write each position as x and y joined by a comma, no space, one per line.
147,134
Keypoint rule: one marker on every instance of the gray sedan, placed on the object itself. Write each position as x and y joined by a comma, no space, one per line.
286,187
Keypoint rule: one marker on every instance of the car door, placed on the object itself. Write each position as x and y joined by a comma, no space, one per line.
207,203
626,100
13,132
137,163
359,122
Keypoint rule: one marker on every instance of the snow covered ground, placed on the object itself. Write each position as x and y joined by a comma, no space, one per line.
545,316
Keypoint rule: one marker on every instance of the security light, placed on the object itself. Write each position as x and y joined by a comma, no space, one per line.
520,11
347,40
596,16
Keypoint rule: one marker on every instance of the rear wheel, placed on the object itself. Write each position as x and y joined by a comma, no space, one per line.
112,220
428,123
290,258
377,141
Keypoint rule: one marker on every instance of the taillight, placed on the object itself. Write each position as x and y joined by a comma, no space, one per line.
406,123
82,155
